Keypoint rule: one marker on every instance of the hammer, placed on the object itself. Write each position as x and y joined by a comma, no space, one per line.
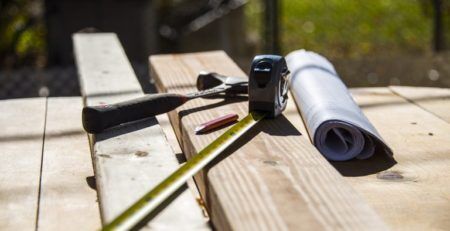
98,118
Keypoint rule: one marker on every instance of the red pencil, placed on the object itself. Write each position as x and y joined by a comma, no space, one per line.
215,123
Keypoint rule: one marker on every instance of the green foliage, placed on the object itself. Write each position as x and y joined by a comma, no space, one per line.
22,33
352,28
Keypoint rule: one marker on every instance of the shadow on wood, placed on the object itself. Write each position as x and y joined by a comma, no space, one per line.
235,99
380,161
400,102
160,208
126,128
90,181
37,136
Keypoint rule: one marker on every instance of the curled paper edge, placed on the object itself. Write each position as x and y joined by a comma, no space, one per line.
339,131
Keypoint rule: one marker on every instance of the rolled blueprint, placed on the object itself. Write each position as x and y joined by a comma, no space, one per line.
335,123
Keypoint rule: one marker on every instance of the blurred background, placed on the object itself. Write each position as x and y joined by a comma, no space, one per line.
371,43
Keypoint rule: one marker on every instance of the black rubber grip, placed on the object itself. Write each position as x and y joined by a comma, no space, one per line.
98,118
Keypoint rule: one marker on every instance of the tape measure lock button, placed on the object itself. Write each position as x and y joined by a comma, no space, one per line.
262,72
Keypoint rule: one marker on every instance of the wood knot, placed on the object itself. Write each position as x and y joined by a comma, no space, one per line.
141,153
390,175
104,155
271,162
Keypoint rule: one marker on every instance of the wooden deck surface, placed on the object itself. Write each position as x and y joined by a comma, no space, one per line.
414,192
129,160
274,179
414,122
45,166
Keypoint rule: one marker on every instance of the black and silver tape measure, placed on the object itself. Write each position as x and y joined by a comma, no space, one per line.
267,98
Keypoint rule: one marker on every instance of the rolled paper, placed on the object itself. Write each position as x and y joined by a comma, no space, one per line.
335,123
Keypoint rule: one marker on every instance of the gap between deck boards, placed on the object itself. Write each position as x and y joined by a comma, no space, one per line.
55,192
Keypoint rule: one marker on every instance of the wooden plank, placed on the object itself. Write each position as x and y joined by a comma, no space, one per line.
67,171
129,160
22,124
432,99
274,179
166,126
414,193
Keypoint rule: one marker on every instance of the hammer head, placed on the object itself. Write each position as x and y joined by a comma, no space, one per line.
208,80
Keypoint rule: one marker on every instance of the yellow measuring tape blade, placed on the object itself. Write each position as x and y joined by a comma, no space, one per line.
150,201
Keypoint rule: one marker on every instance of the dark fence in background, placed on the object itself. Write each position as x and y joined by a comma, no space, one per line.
147,27
441,27
53,81
144,27
30,82
375,50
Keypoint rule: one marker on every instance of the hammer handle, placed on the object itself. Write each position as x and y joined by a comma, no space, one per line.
98,118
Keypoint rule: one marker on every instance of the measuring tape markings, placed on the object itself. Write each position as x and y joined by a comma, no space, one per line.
266,91
134,214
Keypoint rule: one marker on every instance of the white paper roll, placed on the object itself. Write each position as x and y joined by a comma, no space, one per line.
335,123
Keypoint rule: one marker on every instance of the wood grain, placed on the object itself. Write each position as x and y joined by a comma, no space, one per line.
273,178
22,124
130,159
414,193
67,171
434,100
166,126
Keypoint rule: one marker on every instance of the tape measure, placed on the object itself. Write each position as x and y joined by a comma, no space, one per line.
267,98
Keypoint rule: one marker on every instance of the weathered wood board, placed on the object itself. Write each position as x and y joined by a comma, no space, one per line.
166,126
434,100
22,123
67,171
414,193
274,178
130,159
